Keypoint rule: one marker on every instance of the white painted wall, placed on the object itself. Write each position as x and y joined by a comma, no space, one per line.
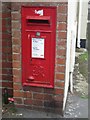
71,39
82,20
71,28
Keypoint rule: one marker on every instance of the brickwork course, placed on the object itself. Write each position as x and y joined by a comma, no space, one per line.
37,98
7,48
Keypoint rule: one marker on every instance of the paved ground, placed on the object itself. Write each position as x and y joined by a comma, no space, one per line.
27,113
76,108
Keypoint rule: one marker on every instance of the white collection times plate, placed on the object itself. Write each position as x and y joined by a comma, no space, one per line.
37,47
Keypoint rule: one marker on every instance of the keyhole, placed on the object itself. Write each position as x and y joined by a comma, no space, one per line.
28,36
30,60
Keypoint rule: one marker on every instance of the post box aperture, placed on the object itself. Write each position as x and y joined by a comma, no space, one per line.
38,46
32,20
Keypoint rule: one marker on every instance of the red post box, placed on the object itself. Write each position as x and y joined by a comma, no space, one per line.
38,46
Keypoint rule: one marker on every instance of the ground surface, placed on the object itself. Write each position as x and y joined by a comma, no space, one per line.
77,103
81,74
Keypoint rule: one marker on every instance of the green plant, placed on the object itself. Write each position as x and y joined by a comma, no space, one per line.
83,57
83,64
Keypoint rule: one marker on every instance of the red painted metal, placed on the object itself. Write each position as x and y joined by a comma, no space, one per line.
38,46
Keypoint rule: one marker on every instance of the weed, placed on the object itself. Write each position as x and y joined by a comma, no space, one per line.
83,64
83,57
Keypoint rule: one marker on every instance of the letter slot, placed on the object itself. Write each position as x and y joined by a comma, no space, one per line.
34,20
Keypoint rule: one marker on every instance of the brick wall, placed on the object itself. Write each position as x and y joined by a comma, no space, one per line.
44,99
0,59
7,80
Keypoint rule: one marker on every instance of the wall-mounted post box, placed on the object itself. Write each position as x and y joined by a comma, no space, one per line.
38,46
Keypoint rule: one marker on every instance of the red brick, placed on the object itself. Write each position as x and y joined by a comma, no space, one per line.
7,71
61,17
0,49
60,76
6,7
28,102
17,87
4,71
60,69
48,91
10,92
16,57
38,96
7,84
6,36
37,102
7,77
9,57
4,43
10,71
16,49
4,56
9,43
6,28
16,79
16,6
16,34
59,84
16,16
28,94
63,3
16,41
58,98
1,39
61,52
16,64
18,94
62,26
59,91
62,9
16,72
18,100
0,70
16,25
7,49
61,43
6,15
28,107
6,22
62,35
60,61
0,14
36,89
6,64
1,84
1,56
47,96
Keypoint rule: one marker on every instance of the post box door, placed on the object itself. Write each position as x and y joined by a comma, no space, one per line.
39,59
38,56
